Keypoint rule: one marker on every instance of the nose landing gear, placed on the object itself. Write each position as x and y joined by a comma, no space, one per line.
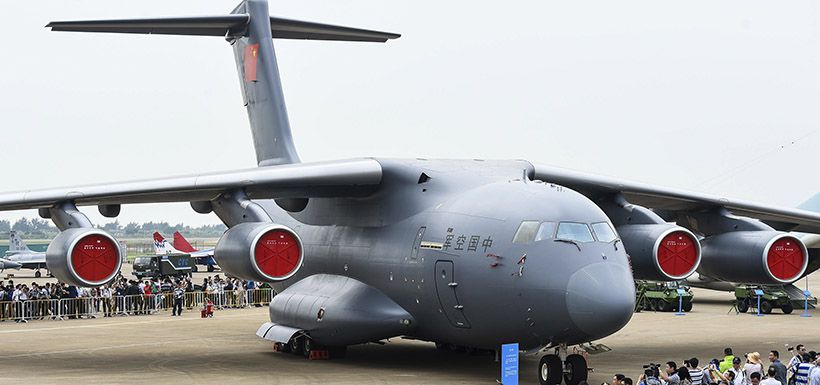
573,370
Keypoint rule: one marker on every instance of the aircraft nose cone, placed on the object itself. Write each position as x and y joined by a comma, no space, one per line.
600,299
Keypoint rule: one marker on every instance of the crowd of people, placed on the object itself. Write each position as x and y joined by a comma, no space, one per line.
802,368
122,296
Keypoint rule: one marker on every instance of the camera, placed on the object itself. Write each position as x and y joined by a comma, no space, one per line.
651,370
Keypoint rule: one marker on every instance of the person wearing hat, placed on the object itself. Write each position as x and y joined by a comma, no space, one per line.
753,365
731,376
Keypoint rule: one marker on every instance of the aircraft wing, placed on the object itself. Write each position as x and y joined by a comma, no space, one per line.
674,200
356,177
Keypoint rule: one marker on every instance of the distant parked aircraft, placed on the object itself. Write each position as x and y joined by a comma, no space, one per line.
21,255
181,246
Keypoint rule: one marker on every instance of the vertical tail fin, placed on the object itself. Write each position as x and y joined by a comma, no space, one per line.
162,247
182,244
17,244
262,87
250,29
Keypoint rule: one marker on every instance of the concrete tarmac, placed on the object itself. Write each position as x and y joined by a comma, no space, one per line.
160,349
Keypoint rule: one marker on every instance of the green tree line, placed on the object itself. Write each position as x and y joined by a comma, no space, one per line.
41,229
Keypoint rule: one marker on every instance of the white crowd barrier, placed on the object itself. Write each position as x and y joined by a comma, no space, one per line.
93,307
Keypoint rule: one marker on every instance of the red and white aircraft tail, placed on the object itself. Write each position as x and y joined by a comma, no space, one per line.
162,247
182,244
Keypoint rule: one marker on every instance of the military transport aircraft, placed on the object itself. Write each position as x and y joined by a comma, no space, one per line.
20,254
468,253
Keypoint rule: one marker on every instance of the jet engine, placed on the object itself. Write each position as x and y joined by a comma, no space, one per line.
260,251
661,251
84,256
761,257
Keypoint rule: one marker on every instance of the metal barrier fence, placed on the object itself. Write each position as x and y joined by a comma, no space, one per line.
87,307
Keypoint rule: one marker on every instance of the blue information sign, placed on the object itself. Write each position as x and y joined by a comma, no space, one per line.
509,364
806,293
681,292
758,292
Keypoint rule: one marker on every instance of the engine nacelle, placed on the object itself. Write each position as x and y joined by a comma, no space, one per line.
260,251
84,257
661,252
761,257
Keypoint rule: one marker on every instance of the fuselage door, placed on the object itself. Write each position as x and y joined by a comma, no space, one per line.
417,244
446,288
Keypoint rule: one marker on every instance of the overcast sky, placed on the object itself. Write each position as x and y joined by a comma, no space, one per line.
714,96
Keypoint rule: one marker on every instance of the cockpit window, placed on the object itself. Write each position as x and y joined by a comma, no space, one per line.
526,232
604,232
545,231
578,232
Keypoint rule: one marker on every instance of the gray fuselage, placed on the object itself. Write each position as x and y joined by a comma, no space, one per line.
454,222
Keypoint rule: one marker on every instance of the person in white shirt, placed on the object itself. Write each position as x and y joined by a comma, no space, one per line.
770,379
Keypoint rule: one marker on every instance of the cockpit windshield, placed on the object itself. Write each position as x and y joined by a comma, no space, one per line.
603,231
534,231
572,231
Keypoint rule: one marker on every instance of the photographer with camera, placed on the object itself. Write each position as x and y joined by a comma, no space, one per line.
650,375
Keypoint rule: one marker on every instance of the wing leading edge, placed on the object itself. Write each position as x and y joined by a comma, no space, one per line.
357,177
674,200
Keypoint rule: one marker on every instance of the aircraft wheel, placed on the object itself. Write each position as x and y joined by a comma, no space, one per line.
576,369
687,307
285,348
787,308
307,346
742,305
37,274
765,307
296,345
549,370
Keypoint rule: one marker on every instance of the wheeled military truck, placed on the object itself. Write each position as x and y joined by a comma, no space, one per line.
159,266
662,296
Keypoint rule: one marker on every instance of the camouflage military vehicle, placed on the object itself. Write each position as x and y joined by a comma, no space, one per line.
661,296
774,297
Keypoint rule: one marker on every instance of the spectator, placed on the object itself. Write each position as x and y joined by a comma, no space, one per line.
771,378
754,378
780,369
803,370
670,373
179,293
753,365
627,381
794,362
728,358
618,379
105,297
695,372
683,375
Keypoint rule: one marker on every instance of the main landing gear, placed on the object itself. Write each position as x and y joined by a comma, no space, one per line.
303,345
573,370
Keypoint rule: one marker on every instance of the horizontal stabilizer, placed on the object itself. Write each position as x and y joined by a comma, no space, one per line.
228,25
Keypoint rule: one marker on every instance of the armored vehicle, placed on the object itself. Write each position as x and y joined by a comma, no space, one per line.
661,296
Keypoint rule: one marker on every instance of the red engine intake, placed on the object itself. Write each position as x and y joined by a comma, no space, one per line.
260,251
761,257
84,257
661,252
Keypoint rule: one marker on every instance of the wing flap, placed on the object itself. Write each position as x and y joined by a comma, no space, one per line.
357,177
662,198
